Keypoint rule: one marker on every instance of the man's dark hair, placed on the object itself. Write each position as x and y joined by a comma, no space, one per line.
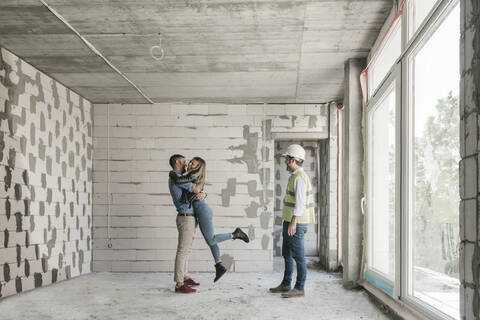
174,158
299,162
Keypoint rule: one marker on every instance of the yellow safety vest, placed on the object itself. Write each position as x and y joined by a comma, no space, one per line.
308,216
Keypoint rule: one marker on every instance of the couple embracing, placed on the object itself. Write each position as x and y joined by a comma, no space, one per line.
186,184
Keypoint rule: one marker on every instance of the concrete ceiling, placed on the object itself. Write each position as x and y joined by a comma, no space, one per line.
216,50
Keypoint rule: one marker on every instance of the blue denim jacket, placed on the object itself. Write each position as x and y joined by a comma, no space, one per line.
176,193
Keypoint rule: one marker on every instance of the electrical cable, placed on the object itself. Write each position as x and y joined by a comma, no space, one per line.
109,238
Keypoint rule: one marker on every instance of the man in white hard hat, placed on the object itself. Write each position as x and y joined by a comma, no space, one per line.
298,212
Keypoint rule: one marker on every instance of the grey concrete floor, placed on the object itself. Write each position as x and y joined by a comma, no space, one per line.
150,296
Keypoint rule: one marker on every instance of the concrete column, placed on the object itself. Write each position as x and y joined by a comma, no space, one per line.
469,149
353,177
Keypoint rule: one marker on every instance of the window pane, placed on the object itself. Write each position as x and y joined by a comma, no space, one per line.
417,12
385,58
382,173
435,234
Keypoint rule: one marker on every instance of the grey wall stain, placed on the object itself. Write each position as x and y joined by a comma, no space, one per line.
249,149
32,161
41,149
2,144
18,191
252,210
19,254
312,122
294,118
265,241
6,236
38,279
251,232
44,263
278,190
27,267
54,275
32,223
265,220
27,239
18,284
227,261
18,219
8,208
229,191
6,272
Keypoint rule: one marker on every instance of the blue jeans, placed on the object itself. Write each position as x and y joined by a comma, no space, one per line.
204,217
293,249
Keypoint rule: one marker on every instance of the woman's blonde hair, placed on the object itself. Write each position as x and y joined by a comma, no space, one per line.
200,172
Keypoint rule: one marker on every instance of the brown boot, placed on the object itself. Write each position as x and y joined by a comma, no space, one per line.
280,288
184,289
294,293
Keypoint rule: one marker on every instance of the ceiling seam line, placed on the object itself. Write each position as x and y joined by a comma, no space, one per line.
95,50
300,53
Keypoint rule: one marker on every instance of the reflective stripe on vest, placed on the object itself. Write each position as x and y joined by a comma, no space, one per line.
308,216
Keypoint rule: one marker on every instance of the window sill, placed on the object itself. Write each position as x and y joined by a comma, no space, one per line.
397,306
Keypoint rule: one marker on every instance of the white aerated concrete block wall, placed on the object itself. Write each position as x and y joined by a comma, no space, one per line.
237,141
45,179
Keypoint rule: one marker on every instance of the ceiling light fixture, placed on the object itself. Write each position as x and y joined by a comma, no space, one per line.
157,52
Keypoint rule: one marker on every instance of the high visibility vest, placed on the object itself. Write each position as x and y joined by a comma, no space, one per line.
308,216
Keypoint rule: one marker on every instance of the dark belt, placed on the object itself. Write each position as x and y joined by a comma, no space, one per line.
185,214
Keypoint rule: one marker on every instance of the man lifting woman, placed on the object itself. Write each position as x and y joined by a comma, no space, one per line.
186,188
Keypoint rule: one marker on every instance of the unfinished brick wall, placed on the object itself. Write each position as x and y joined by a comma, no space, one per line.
45,179
469,165
237,142
328,246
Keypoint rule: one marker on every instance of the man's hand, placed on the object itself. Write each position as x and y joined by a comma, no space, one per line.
201,196
198,188
292,227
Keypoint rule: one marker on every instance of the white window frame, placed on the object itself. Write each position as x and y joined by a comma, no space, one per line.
431,24
401,73
393,79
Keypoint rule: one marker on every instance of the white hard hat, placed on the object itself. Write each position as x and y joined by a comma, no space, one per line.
295,151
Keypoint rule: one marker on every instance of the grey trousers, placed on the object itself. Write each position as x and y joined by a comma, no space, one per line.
186,226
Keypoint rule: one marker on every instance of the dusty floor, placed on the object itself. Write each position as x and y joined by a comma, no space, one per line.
150,296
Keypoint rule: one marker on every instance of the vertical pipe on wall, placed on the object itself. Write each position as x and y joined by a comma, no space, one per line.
109,238
316,151
340,186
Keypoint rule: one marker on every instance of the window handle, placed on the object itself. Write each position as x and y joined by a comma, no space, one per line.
362,204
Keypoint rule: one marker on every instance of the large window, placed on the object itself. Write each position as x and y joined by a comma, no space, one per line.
418,10
382,159
434,227
412,181
385,57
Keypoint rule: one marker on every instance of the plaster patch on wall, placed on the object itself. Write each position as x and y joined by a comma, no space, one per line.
249,149
252,210
229,191
227,261
265,241
251,232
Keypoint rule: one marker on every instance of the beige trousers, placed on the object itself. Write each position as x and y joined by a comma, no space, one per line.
186,226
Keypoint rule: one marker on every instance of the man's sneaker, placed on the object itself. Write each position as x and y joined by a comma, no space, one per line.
280,288
219,271
294,293
239,234
184,289
190,282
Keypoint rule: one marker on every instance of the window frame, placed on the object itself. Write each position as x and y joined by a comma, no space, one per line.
375,277
401,73
425,31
